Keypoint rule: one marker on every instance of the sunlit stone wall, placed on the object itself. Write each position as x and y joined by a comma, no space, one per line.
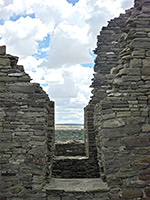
121,96
26,132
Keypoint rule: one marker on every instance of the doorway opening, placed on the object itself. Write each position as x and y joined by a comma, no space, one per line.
76,155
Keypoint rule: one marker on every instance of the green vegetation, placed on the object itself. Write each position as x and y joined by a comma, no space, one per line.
69,134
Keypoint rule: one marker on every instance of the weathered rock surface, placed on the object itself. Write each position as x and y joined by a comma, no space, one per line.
121,114
26,132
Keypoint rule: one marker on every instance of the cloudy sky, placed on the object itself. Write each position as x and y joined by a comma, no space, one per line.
54,40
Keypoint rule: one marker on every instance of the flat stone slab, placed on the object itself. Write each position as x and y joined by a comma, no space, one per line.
71,158
77,185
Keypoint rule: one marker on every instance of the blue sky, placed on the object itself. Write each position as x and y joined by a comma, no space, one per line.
73,2
55,41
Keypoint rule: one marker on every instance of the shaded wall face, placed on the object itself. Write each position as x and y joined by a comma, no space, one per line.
27,132
70,148
122,116
108,48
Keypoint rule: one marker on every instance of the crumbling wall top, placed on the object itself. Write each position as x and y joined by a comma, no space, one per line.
142,5
2,50
26,132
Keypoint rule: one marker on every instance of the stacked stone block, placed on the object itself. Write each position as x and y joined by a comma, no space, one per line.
26,132
121,118
108,48
61,195
70,148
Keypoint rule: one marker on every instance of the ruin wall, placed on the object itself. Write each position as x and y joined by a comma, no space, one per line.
70,148
121,116
26,133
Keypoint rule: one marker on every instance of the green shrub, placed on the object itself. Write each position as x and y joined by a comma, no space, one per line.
69,134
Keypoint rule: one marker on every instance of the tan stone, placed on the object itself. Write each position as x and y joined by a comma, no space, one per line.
2,87
146,67
146,128
135,120
141,43
2,50
146,71
144,178
131,193
108,116
135,63
16,189
123,114
111,142
7,79
146,78
142,151
146,8
113,123
136,142
144,1
146,62
148,52
136,184
129,71
4,61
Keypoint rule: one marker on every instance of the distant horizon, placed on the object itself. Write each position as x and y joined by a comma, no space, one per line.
69,124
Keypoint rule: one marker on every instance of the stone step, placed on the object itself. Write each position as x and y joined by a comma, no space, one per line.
75,189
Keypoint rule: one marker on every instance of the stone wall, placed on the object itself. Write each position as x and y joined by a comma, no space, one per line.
121,97
108,48
26,132
70,148
76,159
71,161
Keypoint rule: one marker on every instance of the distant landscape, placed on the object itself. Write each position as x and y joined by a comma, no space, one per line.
69,126
65,132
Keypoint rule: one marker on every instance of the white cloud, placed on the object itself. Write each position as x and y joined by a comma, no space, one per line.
68,46
69,86
127,4
68,81
50,11
31,67
21,36
73,31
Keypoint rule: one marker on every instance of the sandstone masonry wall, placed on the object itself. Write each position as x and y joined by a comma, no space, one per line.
70,148
121,112
72,160
26,132
108,48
